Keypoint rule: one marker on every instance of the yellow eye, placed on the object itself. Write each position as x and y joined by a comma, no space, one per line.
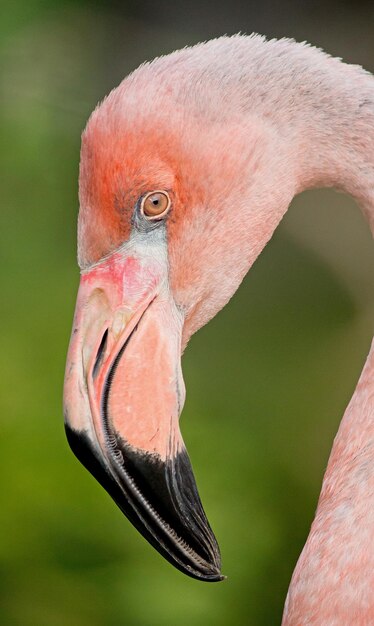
155,204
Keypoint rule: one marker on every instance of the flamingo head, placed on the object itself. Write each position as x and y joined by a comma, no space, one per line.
164,239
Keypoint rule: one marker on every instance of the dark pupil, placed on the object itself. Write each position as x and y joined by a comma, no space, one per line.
155,202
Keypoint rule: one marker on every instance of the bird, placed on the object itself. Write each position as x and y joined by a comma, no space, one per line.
186,169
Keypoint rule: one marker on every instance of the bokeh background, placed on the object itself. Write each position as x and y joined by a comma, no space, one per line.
267,380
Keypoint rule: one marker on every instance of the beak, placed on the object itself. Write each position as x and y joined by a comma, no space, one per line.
123,395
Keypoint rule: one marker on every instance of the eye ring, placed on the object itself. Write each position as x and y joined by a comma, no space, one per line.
155,204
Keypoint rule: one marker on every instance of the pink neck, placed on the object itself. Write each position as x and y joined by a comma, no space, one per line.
333,582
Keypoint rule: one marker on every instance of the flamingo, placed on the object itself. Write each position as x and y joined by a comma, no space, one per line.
186,169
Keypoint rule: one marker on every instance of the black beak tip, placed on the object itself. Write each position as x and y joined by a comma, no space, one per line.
202,559
211,575
214,577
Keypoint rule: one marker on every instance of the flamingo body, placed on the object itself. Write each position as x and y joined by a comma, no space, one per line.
225,133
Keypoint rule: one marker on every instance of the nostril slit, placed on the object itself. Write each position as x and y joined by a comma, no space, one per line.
100,354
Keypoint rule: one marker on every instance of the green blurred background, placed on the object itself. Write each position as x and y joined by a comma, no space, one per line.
267,380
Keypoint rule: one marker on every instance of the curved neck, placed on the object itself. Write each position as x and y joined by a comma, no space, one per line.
317,115
333,583
337,142
323,111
